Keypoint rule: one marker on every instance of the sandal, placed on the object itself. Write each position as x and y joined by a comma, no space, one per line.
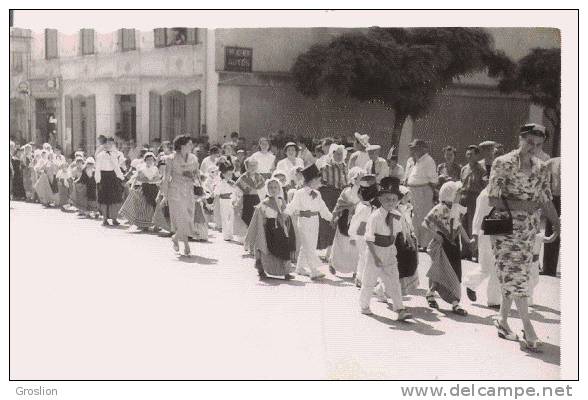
532,346
432,302
457,309
503,333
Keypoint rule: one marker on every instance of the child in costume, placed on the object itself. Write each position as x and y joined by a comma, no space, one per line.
223,193
307,205
246,197
86,193
271,234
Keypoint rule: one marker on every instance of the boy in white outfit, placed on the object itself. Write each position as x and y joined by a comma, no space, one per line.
307,204
368,190
224,191
486,267
380,235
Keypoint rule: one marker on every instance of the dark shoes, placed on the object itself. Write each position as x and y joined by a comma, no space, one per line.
332,270
115,222
471,294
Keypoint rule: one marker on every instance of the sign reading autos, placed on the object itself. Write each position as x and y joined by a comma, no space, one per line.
238,59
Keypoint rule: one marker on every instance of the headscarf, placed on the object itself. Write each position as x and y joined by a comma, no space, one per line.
354,174
447,194
337,147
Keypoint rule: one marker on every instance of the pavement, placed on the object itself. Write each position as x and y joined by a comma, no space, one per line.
90,302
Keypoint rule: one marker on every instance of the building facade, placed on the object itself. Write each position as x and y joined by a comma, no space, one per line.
148,85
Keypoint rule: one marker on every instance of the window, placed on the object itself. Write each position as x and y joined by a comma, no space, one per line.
165,37
16,63
51,44
126,39
87,41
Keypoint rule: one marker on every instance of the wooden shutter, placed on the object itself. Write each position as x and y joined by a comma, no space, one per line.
159,37
193,113
91,123
128,39
51,44
154,116
192,36
120,40
76,124
87,40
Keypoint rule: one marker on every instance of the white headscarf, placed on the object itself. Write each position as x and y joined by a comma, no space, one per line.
354,174
447,193
337,147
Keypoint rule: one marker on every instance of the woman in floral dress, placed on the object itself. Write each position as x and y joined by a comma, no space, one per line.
523,180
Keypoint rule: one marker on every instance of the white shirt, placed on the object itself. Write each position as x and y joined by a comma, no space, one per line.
376,224
265,161
358,159
286,166
482,209
303,201
108,161
224,187
322,161
149,172
421,173
206,164
361,215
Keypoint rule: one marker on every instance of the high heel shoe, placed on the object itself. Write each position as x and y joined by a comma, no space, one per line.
504,333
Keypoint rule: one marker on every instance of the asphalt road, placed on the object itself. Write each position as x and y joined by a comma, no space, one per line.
88,302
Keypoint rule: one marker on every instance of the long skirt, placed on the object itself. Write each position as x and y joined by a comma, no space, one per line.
249,203
18,189
280,248
27,180
81,200
408,260
161,217
110,189
200,225
326,231
181,209
445,272
47,191
344,255
137,209
64,193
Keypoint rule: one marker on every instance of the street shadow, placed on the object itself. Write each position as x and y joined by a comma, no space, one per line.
196,259
274,281
469,319
117,227
550,354
424,313
538,307
164,234
330,282
409,325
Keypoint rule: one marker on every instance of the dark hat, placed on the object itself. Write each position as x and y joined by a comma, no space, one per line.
474,148
390,184
367,180
311,172
417,143
224,165
368,189
534,129
449,148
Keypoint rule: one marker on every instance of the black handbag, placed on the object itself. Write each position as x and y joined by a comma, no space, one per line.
493,225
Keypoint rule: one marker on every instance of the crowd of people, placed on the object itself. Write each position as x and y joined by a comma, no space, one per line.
296,203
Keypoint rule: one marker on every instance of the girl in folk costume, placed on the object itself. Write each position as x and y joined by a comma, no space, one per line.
443,221
307,204
63,186
367,192
382,227
46,186
86,195
76,168
159,220
27,167
344,256
224,192
271,234
200,233
281,176
18,189
139,206
246,197
211,180
109,177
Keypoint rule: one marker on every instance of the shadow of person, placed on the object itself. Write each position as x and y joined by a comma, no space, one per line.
196,259
275,281
336,283
470,318
549,353
410,325
424,313
536,316
538,307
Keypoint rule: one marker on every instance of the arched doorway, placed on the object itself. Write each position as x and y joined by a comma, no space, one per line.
174,113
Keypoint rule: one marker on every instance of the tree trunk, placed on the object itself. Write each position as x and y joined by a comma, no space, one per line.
397,129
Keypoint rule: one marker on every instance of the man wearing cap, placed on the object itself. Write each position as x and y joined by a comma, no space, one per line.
449,169
360,157
376,165
307,204
421,178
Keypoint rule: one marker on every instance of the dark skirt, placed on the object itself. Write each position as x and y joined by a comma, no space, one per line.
343,223
326,234
150,191
249,203
408,258
110,188
18,189
278,244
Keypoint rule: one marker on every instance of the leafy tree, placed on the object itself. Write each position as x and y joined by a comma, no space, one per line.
538,75
403,68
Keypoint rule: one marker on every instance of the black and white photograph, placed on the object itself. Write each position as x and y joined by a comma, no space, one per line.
199,199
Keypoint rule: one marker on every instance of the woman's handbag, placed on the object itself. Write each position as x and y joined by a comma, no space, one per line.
493,225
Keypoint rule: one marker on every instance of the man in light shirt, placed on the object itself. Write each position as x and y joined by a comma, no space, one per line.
376,165
421,178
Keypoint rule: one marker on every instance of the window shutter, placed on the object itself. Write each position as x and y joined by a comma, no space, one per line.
91,123
68,126
50,44
154,116
192,36
159,37
129,39
120,37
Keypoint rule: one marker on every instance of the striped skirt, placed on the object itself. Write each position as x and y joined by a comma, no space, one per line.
137,210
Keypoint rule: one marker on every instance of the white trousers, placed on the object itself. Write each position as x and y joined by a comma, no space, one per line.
227,218
308,237
388,274
486,270
361,261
